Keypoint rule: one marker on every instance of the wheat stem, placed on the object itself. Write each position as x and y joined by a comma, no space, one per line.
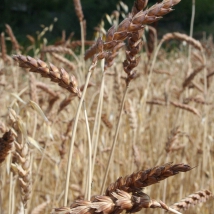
174,211
11,192
89,154
191,28
206,153
73,137
83,45
150,74
37,173
1,189
96,128
115,140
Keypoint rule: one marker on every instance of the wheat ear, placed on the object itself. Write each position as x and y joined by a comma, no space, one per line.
3,49
15,43
136,181
60,49
118,202
132,25
193,200
22,154
58,75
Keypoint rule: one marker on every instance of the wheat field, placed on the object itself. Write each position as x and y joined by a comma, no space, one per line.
123,123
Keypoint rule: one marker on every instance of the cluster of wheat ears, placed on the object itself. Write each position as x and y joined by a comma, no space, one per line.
129,105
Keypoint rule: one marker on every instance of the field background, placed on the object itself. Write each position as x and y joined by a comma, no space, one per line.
169,120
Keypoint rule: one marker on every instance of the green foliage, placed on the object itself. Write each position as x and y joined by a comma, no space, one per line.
26,16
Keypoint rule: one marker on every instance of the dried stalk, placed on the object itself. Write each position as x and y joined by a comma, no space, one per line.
74,132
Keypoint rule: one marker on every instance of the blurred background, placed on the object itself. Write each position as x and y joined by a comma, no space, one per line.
30,17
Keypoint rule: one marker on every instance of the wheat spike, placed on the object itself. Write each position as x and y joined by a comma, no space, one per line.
191,76
114,204
78,10
132,25
193,200
58,75
183,37
136,181
22,154
15,43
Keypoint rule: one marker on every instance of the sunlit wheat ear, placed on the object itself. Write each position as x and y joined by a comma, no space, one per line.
193,200
58,75
6,143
